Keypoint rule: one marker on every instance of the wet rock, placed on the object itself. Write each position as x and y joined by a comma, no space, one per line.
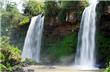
17,69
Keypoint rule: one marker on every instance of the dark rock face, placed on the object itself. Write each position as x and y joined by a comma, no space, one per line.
103,33
104,17
107,10
61,29
105,25
71,16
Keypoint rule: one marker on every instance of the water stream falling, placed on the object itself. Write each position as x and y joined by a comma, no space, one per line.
85,55
32,43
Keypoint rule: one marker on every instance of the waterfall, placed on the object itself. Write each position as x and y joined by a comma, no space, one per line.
85,55
32,43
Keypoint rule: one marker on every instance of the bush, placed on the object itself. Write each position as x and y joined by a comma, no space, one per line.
33,8
108,68
2,67
2,57
9,54
9,57
51,8
4,42
25,20
9,19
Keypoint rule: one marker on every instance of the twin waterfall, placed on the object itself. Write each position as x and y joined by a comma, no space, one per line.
85,58
85,55
32,43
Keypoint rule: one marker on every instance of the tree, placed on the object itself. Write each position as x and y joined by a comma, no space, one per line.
51,8
9,18
33,8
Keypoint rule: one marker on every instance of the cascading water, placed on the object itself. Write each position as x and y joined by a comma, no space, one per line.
32,43
85,57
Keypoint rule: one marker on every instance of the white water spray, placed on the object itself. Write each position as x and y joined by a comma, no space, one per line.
32,43
85,56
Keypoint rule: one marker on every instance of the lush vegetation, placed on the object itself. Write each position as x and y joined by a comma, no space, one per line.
63,47
14,26
103,45
33,8
9,54
108,68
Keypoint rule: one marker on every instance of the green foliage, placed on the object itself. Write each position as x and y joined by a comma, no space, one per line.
108,68
33,7
11,7
9,19
4,42
11,57
2,67
51,8
9,54
103,45
64,47
66,6
29,61
25,20
62,15
70,4
2,57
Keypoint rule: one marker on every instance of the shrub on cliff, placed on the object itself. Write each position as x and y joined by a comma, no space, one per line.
33,8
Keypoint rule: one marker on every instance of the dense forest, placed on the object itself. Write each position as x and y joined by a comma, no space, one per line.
60,34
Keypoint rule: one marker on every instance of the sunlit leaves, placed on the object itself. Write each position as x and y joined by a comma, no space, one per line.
33,7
